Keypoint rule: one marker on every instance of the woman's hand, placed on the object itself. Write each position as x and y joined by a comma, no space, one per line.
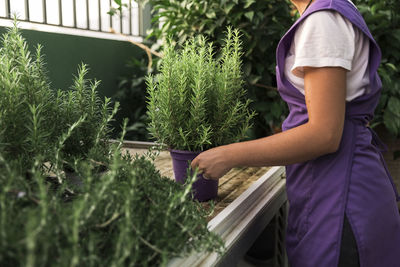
213,163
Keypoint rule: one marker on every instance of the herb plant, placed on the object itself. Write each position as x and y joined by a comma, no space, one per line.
26,101
33,116
129,216
92,134
126,216
198,101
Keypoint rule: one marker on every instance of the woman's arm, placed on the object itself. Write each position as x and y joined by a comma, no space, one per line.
325,93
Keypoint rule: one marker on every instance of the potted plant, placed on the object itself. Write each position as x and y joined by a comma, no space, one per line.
197,102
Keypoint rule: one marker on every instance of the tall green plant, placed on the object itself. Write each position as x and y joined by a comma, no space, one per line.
26,101
83,100
34,116
197,101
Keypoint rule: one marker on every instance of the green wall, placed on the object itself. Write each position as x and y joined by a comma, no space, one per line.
63,53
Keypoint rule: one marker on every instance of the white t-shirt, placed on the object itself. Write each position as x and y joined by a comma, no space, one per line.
327,39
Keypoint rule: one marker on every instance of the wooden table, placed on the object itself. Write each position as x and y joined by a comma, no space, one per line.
248,199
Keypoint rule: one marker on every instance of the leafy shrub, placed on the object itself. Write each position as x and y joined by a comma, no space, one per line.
129,216
196,101
383,19
131,95
26,101
33,117
83,101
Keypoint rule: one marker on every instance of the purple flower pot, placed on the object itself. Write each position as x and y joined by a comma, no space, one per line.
203,189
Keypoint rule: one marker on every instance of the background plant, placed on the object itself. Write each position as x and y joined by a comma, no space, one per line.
33,116
93,133
383,19
197,101
131,95
26,101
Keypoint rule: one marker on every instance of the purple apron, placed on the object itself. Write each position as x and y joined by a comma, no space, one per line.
352,181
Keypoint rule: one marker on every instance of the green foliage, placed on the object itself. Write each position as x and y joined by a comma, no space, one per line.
33,116
197,101
83,100
262,23
127,215
131,95
383,19
26,102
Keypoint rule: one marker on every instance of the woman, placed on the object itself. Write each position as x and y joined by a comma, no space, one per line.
342,200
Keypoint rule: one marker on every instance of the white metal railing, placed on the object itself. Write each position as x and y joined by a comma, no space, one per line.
89,15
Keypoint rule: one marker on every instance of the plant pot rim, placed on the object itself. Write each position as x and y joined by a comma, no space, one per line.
184,151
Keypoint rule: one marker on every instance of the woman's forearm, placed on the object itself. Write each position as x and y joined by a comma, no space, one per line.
299,144
325,99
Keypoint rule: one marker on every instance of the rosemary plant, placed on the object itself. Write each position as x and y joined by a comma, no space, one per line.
126,216
92,134
33,116
26,101
198,101
129,216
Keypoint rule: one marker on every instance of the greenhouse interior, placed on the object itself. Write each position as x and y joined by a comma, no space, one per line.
170,133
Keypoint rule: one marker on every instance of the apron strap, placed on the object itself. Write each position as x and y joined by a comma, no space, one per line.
376,141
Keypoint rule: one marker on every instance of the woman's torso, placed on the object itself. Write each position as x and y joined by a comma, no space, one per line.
351,181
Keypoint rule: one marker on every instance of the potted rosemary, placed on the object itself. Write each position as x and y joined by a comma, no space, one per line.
197,102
